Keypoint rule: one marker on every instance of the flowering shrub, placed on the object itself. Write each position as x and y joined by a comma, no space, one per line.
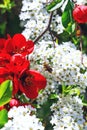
43,70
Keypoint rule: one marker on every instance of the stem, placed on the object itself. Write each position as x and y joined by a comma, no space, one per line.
80,36
81,50
47,28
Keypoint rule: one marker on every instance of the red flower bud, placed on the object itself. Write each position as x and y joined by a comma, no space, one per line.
14,102
80,14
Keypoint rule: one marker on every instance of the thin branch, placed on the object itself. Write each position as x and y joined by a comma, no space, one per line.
47,28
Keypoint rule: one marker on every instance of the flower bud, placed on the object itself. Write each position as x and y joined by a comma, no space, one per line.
14,102
80,14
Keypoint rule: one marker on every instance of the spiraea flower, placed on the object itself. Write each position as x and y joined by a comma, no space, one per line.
65,68
35,17
22,118
67,114
80,2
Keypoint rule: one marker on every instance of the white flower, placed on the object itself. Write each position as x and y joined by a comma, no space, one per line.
81,2
36,17
65,62
67,114
20,118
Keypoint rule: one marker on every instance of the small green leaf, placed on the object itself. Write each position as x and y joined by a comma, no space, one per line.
3,117
2,6
53,96
5,92
6,6
55,4
75,91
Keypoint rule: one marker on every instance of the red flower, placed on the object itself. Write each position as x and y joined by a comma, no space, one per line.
18,44
31,82
18,63
80,13
4,75
4,59
3,72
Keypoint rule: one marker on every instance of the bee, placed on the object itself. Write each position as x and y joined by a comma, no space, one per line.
47,67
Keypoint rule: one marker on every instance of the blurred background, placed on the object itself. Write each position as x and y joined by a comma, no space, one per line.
9,17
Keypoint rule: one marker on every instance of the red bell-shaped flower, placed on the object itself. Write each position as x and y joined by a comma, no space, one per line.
4,59
80,13
18,44
31,82
18,63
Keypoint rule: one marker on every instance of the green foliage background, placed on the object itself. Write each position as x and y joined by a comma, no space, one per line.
9,19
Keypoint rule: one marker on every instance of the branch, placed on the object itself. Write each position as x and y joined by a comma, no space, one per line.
47,28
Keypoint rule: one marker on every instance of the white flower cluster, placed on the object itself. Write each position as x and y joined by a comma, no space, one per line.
60,63
81,2
35,17
67,114
22,118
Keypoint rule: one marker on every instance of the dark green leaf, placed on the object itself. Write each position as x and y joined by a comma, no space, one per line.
67,14
3,117
63,37
5,92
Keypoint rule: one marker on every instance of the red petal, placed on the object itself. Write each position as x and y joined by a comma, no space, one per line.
9,47
30,92
15,85
19,40
4,59
39,80
3,72
18,63
36,82
29,46
80,13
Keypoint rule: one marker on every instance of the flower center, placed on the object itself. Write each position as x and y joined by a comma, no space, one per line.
27,80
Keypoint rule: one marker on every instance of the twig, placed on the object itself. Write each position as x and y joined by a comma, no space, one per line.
47,28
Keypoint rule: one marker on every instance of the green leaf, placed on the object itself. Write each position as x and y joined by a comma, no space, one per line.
70,28
2,6
5,92
75,91
3,117
3,27
64,36
67,14
6,6
55,4
53,96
